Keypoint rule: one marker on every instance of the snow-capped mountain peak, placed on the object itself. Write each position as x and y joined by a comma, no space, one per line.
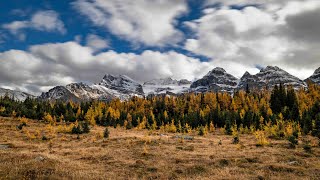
123,87
268,77
166,86
121,83
315,77
17,95
216,80
216,71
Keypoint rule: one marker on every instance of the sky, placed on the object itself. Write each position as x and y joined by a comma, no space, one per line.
45,43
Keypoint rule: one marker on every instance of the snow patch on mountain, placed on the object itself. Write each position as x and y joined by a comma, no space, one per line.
216,80
166,86
17,95
315,77
268,78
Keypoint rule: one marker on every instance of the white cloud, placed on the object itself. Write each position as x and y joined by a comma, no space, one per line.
15,26
47,21
282,33
47,65
96,42
42,21
151,23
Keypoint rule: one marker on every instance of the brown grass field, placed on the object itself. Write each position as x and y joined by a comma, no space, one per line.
134,154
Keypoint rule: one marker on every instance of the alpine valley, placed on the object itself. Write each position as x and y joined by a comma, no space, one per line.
123,87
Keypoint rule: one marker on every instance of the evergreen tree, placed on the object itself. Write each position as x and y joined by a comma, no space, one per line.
106,133
307,123
316,130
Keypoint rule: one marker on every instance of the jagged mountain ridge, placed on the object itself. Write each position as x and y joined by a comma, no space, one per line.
123,87
17,95
315,77
216,80
74,92
269,77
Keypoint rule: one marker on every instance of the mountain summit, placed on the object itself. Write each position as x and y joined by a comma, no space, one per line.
269,77
216,80
315,77
123,87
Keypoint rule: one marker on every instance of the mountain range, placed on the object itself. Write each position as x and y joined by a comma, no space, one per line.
123,87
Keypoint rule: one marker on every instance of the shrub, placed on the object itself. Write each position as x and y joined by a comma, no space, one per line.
236,140
85,127
261,138
76,130
293,141
20,126
211,127
187,128
307,148
29,135
171,128
235,134
65,128
44,138
49,119
23,122
80,128
106,133
202,131
129,125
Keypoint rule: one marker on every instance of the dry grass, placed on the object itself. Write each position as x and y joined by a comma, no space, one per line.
131,154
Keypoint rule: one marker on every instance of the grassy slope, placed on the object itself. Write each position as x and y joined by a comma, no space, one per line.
132,154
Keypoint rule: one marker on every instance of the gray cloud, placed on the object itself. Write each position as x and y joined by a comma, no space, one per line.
96,42
282,33
304,26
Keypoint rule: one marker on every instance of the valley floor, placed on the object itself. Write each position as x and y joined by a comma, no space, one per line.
133,154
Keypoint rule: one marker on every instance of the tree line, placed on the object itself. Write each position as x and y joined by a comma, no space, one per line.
243,109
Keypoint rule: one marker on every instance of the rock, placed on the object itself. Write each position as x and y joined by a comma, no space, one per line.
39,158
4,146
293,163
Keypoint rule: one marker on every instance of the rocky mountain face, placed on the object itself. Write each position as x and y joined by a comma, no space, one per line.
120,86
216,80
17,95
59,93
248,80
315,77
268,78
166,86
123,87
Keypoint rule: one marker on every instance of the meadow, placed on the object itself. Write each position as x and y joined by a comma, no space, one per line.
42,151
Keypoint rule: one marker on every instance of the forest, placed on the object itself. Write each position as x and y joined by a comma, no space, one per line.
281,112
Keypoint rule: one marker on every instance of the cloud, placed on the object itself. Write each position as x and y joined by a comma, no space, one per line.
282,33
270,32
150,23
47,65
15,26
47,21
96,42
